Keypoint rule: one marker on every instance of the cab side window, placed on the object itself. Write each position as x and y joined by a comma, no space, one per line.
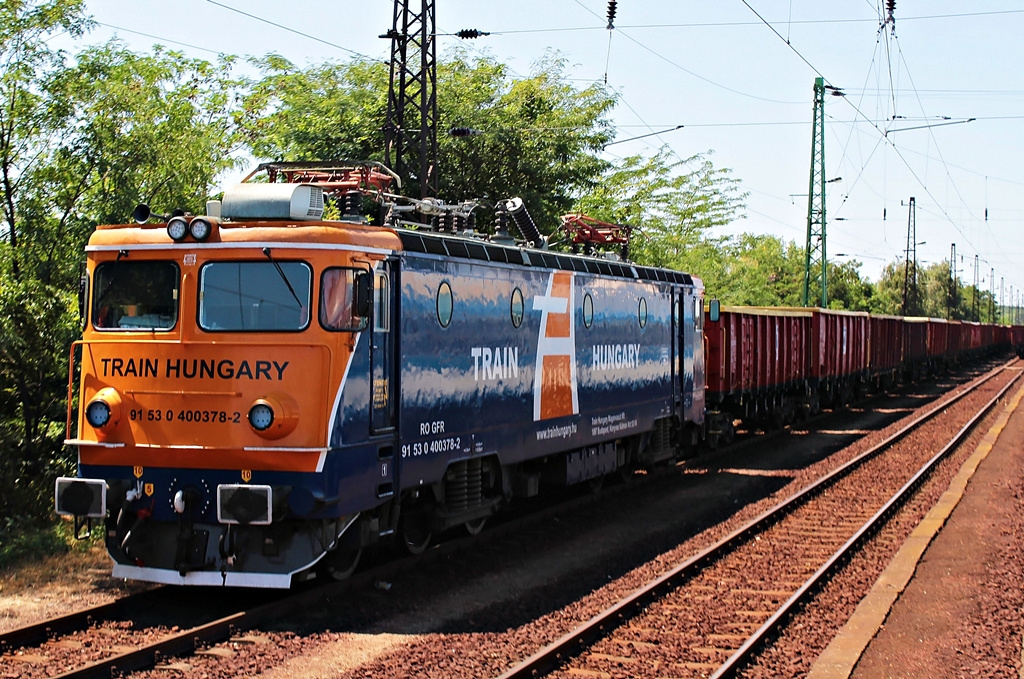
338,309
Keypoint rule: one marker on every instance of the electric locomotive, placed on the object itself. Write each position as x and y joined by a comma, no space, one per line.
265,391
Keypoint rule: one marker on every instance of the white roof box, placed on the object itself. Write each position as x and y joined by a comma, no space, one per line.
273,201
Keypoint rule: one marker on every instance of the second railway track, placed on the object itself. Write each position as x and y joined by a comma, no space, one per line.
709,615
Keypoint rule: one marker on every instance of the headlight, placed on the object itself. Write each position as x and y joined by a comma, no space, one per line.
177,228
274,415
200,228
261,416
97,413
103,411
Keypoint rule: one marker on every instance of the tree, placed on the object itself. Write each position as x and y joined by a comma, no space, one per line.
539,136
762,270
846,289
888,298
672,206
37,325
937,297
153,129
29,120
329,111
81,142
540,139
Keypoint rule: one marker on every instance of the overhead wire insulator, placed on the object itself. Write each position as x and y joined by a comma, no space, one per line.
611,14
527,227
470,33
464,132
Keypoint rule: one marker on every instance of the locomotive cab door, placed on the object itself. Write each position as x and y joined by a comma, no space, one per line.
382,377
382,351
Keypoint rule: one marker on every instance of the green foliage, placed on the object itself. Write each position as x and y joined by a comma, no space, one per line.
760,270
540,134
30,121
846,289
676,208
672,205
888,297
80,144
934,297
326,112
153,129
20,541
37,325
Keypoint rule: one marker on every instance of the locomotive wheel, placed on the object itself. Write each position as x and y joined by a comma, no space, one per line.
341,565
474,527
415,535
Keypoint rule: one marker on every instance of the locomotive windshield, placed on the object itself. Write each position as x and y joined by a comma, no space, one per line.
250,296
137,295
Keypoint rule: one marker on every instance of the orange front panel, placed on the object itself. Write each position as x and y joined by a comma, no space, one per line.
200,394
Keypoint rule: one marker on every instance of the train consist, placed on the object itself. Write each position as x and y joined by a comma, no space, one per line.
265,391
768,367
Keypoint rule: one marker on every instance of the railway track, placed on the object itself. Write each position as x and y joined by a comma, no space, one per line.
109,640
711,614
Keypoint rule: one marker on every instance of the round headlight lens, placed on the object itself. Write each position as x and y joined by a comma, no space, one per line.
261,416
97,414
177,228
200,228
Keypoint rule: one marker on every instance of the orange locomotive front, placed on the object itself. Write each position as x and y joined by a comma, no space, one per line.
211,366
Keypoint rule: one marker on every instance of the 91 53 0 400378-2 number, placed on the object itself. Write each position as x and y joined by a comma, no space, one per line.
184,415
445,444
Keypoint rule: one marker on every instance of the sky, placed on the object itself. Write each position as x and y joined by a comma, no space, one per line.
932,105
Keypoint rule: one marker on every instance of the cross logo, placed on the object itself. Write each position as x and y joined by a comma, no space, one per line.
554,382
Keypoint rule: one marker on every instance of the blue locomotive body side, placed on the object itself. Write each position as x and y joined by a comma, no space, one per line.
476,385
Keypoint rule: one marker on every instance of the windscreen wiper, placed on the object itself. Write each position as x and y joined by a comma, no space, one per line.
280,271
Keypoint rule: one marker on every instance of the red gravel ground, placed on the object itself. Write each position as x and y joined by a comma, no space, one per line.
963,612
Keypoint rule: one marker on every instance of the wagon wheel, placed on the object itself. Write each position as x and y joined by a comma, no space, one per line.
474,527
728,434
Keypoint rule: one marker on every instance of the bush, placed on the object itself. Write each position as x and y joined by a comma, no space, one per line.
37,325
19,544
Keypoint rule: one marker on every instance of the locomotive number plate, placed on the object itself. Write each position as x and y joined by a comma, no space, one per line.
184,415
